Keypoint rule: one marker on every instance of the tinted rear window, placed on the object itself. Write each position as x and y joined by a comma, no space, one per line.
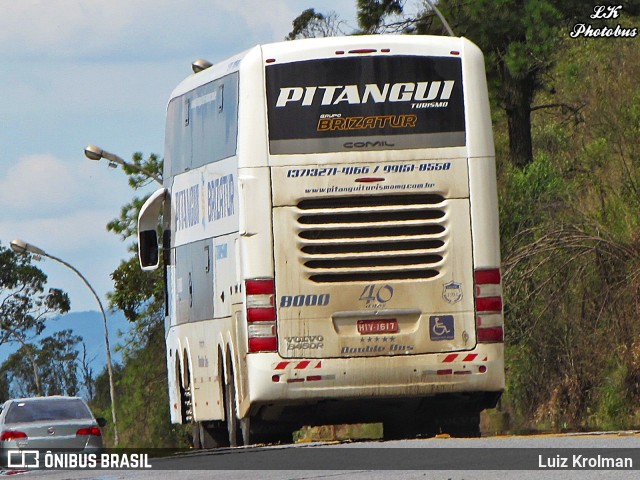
47,410
377,102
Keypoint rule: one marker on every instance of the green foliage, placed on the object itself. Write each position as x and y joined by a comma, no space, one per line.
305,24
126,225
613,409
24,307
139,172
528,198
372,13
312,24
140,169
137,293
570,247
57,364
4,387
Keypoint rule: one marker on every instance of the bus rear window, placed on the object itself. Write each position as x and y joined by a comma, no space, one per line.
375,103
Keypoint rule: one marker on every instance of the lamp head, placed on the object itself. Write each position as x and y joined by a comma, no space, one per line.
92,152
20,246
200,64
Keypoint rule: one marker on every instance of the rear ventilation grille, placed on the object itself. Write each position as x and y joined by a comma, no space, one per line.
372,238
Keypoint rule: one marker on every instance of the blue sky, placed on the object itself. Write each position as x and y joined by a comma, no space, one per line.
74,72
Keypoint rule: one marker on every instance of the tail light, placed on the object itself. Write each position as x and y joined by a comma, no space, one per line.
94,431
489,320
261,315
9,435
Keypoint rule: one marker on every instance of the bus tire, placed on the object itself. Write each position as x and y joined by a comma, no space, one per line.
233,425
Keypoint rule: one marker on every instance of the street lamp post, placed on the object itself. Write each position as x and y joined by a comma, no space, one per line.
92,152
20,246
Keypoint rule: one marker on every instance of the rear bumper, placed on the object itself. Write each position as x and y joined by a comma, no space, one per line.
277,381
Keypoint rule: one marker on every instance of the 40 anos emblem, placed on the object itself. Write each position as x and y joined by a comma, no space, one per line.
452,292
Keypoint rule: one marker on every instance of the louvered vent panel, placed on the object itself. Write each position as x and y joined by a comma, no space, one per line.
372,238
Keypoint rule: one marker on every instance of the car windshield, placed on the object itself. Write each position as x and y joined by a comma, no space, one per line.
47,410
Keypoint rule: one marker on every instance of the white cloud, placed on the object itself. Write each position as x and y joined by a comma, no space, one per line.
93,29
42,186
89,28
38,186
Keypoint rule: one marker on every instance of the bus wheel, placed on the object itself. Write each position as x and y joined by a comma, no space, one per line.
233,425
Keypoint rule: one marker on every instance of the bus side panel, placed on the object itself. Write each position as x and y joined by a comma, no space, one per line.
192,349
477,111
484,210
252,130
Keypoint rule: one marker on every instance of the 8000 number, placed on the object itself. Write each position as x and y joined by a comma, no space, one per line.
321,300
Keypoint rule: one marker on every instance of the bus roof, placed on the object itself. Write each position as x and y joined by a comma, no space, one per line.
329,47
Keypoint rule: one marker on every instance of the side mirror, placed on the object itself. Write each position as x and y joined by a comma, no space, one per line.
148,245
101,421
148,248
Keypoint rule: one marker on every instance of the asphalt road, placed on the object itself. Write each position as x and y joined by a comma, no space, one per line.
588,456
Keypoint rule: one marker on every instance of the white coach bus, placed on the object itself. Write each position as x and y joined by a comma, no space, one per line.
330,240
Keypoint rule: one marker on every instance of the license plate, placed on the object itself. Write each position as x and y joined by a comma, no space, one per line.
377,326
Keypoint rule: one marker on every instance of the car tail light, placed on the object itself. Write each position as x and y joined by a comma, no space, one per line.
261,315
9,435
95,431
488,297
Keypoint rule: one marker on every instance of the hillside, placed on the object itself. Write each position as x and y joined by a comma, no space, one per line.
571,256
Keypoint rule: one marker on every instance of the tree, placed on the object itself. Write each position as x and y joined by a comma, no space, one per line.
518,38
312,24
4,387
56,361
24,304
86,372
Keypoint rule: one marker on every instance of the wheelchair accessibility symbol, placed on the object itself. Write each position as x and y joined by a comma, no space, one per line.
441,327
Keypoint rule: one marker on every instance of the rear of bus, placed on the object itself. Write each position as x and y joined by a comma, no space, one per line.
387,285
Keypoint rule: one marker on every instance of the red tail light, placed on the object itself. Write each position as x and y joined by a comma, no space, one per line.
95,431
260,286
484,277
489,304
489,319
9,435
269,344
491,335
261,315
